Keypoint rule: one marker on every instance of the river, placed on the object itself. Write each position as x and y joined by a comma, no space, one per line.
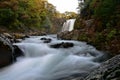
47,58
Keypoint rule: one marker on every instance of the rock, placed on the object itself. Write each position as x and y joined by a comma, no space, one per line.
69,35
64,35
6,51
17,52
109,70
16,40
46,40
8,35
43,38
20,36
26,36
37,33
62,45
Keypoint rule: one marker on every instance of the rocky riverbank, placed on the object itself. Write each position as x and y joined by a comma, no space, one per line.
98,24
6,51
9,52
107,40
108,70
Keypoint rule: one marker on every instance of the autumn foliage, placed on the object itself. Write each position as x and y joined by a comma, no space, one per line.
23,15
104,29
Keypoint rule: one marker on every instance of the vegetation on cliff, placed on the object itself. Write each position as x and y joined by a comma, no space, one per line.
99,24
23,15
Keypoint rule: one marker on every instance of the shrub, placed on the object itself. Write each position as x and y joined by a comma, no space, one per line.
6,17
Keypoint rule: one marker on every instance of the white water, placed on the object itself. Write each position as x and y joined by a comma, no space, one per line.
44,63
68,25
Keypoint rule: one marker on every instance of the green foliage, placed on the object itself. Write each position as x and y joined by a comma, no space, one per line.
6,17
104,32
83,37
111,34
70,15
17,14
100,38
105,9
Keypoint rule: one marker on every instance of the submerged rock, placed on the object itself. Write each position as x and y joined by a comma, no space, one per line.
62,45
6,51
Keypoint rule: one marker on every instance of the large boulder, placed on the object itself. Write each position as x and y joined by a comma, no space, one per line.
109,70
69,35
6,51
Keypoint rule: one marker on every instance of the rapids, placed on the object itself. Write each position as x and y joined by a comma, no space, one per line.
41,62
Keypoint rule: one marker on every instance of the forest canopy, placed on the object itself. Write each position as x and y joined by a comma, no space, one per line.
22,14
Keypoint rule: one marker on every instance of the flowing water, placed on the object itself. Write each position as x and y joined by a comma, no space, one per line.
42,62
68,25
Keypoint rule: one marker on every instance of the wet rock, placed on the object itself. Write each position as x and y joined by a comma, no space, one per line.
6,51
43,38
62,45
46,40
109,70
17,52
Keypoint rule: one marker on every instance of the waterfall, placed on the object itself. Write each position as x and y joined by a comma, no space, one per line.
68,25
42,62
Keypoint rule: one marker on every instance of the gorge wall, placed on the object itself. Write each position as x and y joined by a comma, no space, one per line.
98,24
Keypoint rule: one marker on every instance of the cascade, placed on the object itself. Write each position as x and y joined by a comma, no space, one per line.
68,25
42,62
